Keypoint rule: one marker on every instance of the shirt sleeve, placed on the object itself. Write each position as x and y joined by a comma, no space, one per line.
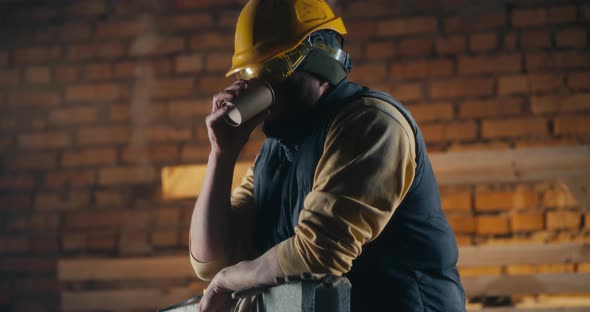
366,169
242,224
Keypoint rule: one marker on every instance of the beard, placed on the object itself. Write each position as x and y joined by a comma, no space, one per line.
287,129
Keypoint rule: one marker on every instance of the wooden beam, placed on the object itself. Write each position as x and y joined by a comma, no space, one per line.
179,266
532,164
519,165
504,285
124,300
533,254
125,268
517,309
186,181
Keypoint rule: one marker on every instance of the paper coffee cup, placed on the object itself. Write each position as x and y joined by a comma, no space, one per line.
257,97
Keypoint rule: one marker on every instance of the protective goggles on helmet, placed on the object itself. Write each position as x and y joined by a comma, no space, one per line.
281,67
278,68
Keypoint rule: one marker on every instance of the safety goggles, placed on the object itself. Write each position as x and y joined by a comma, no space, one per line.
278,68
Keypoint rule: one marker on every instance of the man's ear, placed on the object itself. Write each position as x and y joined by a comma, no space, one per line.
324,85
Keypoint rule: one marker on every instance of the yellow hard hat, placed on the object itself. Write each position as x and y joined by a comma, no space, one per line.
269,28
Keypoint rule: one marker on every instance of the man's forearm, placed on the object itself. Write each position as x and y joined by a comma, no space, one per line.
210,230
247,274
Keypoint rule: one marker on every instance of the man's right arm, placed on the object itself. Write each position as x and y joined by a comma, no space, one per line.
212,231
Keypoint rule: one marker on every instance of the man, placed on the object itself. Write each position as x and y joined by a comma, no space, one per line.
342,184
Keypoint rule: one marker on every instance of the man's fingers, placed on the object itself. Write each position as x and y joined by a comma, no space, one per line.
220,98
218,114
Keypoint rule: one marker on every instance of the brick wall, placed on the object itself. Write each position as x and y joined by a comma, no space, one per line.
97,96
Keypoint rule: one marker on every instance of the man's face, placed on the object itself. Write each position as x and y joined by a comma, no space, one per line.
294,99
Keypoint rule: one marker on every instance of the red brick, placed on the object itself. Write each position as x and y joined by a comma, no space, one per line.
489,64
27,265
432,111
533,39
13,202
369,73
33,161
102,241
527,221
37,55
483,42
454,44
105,219
195,153
127,175
167,216
546,82
228,18
462,224
416,47
559,198
74,178
493,225
45,221
165,238
494,201
579,81
492,108
167,88
510,41
104,50
66,73
151,46
46,245
572,124
14,245
87,8
407,26
212,41
38,74
489,20
89,157
586,12
98,71
157,67
557,60
361,29
561,14
405,92
376,9
218,61
35,98
110,199
516,128
462,88
74,32
189,109
457,131
456,201
566,104
202,4
571,38
135,242
9,78
46,140
103,135
564,220
161,152
209,85
122,112
62,201
17,182
4,58
197,21
513,85
189,63
96,92
382,50
128,29
165,133
74,115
